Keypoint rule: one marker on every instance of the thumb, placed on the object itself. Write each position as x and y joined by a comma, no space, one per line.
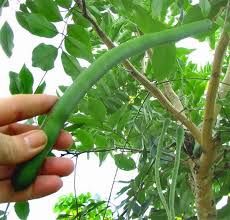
19,148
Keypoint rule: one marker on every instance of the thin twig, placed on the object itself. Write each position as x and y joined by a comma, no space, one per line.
59,46
5,212
75,187
40,82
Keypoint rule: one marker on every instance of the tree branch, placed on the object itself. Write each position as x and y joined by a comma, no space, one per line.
202,170
173,97
169,92
153,90
129,150
212,92
132,150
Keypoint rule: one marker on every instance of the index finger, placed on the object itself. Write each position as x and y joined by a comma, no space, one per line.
20,107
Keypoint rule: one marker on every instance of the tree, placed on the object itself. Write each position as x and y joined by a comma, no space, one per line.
137,107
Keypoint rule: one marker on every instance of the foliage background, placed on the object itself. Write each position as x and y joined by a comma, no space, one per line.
118,113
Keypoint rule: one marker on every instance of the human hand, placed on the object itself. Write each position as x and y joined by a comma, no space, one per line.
20,142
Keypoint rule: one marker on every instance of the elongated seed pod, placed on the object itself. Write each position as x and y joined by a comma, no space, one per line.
179,143
157,167
26,172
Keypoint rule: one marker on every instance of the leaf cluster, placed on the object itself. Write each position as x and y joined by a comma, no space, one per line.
81,207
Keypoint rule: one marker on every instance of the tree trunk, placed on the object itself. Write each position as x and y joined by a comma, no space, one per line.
203,176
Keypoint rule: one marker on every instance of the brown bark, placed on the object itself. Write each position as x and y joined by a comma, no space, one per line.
212,92
202,170
202,183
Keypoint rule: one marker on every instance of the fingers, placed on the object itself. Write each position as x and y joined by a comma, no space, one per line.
6,172
23,142
52,166
47,183
19,148
17,128
63,142
57,166
43,186
20,107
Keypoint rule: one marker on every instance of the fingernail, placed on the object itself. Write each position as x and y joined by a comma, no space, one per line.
36,139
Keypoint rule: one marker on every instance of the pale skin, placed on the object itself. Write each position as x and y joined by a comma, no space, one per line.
20,142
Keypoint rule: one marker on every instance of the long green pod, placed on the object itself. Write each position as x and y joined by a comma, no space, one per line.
179,143
26,172
157,167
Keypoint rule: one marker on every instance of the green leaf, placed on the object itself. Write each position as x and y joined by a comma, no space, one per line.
41,119
49,9
36,24
193,14
157,6
3,218
185,199
30,4
40,89
80,19
78,49
64,3
116,117
163,61
78,32
100,140
22,210
15,87
96,109
21,83
44,56
63,216
23,8
26,80
6,39
124,163
85,138
158,214
70,65
4,3
212,41
80,120
102,156
205,7
223,213
144,20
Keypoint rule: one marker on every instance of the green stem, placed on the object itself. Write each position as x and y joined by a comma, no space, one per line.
157,167
179,142
26,173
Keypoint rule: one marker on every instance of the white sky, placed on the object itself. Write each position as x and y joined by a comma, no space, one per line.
90,178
